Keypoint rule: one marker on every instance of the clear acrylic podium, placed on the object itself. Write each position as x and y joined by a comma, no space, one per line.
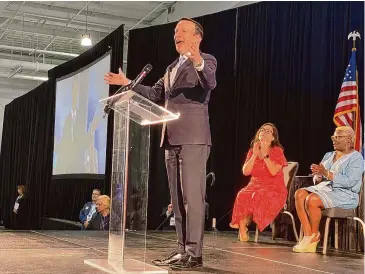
133,115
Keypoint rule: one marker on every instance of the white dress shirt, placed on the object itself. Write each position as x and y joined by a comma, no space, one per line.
181,61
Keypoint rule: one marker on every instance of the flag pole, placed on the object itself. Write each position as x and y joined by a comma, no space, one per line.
354,35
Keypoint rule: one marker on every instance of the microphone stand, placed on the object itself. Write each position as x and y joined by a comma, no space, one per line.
211,177
160,225
214,229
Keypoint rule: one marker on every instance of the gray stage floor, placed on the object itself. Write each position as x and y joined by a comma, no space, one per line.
34,252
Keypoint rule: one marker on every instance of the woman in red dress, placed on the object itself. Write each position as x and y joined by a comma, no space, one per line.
263,198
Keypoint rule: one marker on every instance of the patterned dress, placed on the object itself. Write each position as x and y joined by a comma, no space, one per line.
265,195
344,190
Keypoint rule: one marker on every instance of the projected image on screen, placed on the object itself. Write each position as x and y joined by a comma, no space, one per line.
80,130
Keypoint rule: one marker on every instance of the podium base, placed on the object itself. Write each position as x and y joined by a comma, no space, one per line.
129,266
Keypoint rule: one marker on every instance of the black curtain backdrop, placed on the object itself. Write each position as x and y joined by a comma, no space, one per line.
158,52
280,62
27,146
25,157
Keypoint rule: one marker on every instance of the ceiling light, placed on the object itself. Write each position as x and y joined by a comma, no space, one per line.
36,78
86,40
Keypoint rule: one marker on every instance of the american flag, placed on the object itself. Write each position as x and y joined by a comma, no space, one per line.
347,112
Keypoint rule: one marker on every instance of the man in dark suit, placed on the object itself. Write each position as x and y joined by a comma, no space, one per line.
89,209
186,88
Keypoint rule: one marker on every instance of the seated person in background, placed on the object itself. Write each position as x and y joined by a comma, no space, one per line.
263,198
89,209
170,218
168,223
100,220
338,182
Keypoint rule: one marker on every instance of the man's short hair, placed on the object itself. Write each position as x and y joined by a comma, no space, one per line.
98,190
198,27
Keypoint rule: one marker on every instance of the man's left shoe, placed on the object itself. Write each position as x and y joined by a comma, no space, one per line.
174,257
187,262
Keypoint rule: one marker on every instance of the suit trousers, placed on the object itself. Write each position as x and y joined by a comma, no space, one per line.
186,171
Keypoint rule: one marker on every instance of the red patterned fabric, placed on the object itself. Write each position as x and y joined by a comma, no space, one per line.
265,195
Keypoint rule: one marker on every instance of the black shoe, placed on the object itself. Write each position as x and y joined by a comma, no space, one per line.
188,262
172,258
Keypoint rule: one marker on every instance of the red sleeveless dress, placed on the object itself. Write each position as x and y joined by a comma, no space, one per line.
265,195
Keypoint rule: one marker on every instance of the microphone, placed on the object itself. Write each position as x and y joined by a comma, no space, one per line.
141,76
130,86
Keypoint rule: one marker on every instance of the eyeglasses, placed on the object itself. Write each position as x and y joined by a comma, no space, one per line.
337,137
265,130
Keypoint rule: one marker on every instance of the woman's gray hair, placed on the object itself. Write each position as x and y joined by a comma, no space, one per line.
348,131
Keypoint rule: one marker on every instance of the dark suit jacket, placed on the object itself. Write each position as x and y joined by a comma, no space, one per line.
189,95
95,222
21,218
85,211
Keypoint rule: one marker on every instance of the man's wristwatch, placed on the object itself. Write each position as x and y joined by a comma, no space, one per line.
200,63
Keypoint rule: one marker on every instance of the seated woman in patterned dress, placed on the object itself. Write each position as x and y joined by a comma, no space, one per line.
338,182
263,198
